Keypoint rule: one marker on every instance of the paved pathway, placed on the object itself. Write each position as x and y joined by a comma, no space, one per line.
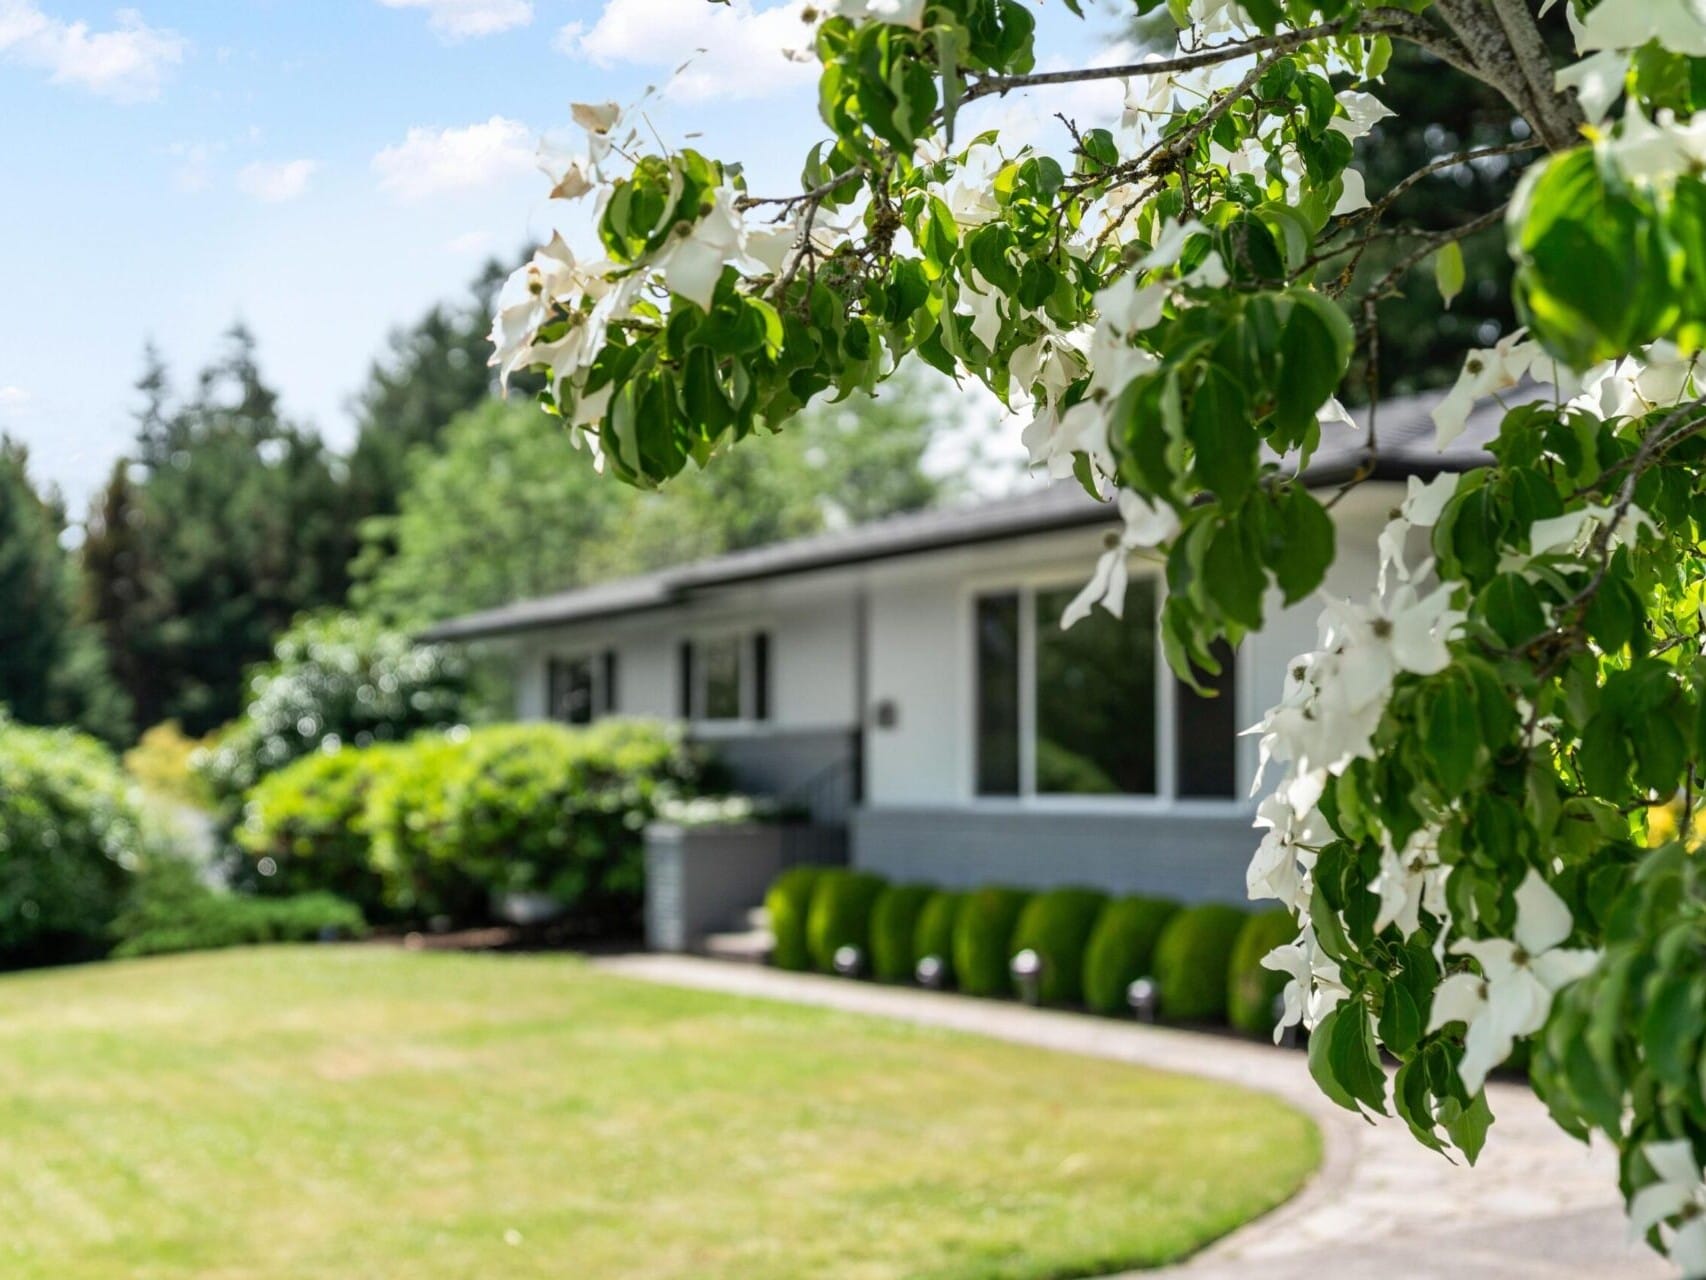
1537,1207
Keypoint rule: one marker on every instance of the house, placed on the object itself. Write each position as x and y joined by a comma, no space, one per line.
909,678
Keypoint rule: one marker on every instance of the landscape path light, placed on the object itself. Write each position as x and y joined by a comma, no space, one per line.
1144,997
1027,971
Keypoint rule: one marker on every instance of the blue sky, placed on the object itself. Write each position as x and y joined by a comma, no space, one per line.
323,170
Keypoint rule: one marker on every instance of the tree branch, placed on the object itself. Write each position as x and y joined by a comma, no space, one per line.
1563,115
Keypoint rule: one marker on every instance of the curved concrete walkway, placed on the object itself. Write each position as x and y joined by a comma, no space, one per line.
1537,1207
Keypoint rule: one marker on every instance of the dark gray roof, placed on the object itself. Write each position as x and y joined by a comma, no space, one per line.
1404,427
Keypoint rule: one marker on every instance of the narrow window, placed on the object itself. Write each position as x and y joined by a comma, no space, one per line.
1096,697
571,690
1206,730
761,676
684,678
607,699
719,666
998,695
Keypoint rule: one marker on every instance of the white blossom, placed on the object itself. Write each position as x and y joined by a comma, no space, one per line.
1512,995
1679,25
1572,532
1496,368
1598,82
1316,987
1411,880
1286,854
1679,1193
1147,524
1362,112
1423,504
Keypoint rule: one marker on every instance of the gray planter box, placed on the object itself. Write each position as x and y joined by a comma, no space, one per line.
700,879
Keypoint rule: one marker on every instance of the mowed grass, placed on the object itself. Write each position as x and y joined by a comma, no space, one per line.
362,1112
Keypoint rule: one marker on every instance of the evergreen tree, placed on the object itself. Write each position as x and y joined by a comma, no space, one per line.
52,668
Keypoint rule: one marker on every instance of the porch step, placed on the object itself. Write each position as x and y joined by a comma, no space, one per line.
756,918
749,946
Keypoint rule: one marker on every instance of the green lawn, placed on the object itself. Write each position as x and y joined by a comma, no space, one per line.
373,1114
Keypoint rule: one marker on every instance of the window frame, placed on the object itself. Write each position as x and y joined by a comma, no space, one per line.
599,665
752,701
1027,584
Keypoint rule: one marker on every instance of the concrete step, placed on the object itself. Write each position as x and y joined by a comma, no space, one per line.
755,918
749,946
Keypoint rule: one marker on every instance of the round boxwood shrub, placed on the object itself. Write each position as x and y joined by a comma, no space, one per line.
304,826
934,935
1057,926
407,821
1192,961
983,937
1122,949
894,930
788,904
840,915
1252,989
70,839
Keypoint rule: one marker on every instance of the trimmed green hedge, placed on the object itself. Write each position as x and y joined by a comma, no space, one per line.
1122,949
841,915
894,931
1252,989
1057,925
983,937
1193,959
935,933
788,904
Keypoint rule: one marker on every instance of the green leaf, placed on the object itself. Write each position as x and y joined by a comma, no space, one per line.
1303,550
1452,732
1313,355
1468,1125
1344,1060
1218,424
1448,272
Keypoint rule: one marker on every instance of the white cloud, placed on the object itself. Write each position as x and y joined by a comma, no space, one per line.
469,242
127,64
732,50
460,19
13,397
275,183
430,161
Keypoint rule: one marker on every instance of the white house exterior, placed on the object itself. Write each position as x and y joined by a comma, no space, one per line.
910,678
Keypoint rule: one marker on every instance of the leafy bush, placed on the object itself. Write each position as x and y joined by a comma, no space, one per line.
1057,926
936,926
983,934
170,910
1252,989
1192,961
306,828
789,905
70,838
406,819
542,808
1122,949
840,914
894,931
162,761
338,679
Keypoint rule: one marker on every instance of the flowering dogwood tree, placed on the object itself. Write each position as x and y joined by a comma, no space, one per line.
1480,784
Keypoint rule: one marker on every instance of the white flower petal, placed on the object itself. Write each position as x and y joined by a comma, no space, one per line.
1542,919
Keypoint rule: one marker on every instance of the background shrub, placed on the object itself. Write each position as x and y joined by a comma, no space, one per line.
1193,959
1057,926
841,914
306,827
894,931
1122,949
789,904
935,933
334,680
406,820
543,808
70,839
1252,989
170,910
983,934
163,762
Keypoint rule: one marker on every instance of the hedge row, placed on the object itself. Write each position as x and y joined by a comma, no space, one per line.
1206,960
445,825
